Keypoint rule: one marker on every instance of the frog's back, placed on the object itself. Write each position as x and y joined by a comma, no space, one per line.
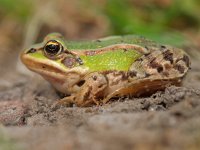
111,53
112,40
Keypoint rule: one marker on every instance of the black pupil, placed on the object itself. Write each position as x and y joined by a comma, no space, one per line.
52,49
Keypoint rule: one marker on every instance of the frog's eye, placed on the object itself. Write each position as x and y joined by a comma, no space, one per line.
53,48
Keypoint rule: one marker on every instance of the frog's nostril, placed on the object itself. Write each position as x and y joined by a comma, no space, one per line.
32,50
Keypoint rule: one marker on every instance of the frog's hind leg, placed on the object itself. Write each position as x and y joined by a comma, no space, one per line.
142,87
154,71
164,63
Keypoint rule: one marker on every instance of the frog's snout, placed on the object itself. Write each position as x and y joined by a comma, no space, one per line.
25,54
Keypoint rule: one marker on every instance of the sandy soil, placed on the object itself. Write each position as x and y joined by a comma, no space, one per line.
168,119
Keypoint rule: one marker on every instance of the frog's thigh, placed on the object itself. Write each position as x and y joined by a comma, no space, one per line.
153,72
92,90
164,64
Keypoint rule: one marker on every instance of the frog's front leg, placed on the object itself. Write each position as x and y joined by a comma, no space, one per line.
92,89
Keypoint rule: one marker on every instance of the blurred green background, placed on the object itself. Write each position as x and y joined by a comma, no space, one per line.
151,18
24,22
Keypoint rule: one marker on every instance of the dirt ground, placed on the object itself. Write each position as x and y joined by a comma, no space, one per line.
168,119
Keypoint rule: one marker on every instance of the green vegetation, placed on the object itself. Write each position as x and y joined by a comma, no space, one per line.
160,20
153,18
18,8
127,17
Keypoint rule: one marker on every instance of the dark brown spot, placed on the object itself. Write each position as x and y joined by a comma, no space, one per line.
139,59
154,64
125,49
124,75
186,60
132,73
80,83
69,62
160,69
167,55
163,47
106,72
180,68
32,50
94,78
147,54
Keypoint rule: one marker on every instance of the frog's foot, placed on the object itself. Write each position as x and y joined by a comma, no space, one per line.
66,101
92,91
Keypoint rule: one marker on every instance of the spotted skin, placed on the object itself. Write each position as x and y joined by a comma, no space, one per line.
166,63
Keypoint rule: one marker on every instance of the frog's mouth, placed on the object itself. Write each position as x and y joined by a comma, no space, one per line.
43,67
51,70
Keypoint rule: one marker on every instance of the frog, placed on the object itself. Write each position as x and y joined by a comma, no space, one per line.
93,72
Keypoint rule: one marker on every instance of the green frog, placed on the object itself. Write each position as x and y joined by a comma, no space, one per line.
92,72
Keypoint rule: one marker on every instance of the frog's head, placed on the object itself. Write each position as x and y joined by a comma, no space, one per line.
52,59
